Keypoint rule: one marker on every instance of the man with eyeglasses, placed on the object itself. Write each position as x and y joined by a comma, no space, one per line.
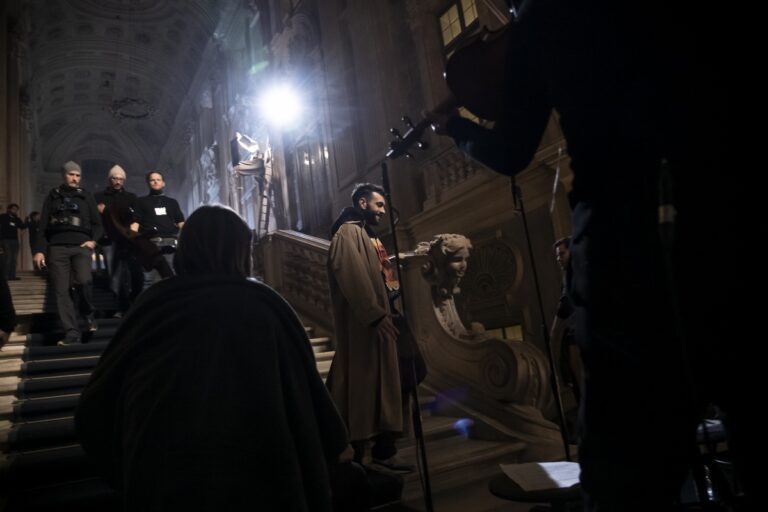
115,204
69,226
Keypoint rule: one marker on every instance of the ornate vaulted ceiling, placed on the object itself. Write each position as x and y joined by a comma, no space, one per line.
108,76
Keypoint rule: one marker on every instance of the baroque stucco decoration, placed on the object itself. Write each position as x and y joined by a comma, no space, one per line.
208,166
511,376
448,256
292,47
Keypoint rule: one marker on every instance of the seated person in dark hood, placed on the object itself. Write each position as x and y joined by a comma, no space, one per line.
208,397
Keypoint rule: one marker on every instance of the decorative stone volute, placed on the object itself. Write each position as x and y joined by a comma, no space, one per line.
506,378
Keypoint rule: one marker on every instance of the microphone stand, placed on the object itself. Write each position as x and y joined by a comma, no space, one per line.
418,430
517,197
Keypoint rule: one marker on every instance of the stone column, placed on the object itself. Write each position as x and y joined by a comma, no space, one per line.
15,176
13,122
5,188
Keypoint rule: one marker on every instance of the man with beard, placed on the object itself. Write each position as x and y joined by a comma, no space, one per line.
116,207
364,379
70,224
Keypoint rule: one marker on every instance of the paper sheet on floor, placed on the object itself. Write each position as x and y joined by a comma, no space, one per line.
537,476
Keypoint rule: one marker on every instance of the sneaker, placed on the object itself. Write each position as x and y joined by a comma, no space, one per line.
118,315
71,338
395,464
91,322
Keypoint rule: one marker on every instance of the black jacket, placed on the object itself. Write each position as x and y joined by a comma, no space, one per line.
10,226
118,213
158,215
7,312
69,217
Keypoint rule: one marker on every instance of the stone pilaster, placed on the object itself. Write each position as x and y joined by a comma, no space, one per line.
4,60
15,118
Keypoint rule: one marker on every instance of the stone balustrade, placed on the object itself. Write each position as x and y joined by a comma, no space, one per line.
506,380
294,264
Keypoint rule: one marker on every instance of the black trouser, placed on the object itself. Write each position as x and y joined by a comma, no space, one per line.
126,279
163,267
9,257
71,265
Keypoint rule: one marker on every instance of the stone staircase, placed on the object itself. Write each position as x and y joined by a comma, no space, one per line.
42,466
32,295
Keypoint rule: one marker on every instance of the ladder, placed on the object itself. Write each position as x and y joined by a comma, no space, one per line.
262,223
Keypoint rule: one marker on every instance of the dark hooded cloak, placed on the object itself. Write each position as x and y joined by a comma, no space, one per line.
208,398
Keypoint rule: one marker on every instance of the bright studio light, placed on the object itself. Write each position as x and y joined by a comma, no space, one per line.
280,105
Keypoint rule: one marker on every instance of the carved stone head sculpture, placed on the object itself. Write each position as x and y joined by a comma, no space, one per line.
448,258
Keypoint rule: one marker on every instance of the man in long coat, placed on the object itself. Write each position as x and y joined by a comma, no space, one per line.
364,379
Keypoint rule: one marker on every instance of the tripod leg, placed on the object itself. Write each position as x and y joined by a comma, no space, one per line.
421,447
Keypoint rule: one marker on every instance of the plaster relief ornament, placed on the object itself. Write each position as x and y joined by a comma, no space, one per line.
448,260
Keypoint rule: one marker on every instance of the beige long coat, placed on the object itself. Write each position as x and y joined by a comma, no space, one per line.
364,379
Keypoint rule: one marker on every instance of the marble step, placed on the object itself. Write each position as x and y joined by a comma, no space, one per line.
100,303
51,309
322,368
30,435
37,299
47,466
84,495
96,344
35,434
14,384
56,366
324,356
7,404
42,353
43,386
37,408
434,428
457,461
27,291
321,344
104,333
63,403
